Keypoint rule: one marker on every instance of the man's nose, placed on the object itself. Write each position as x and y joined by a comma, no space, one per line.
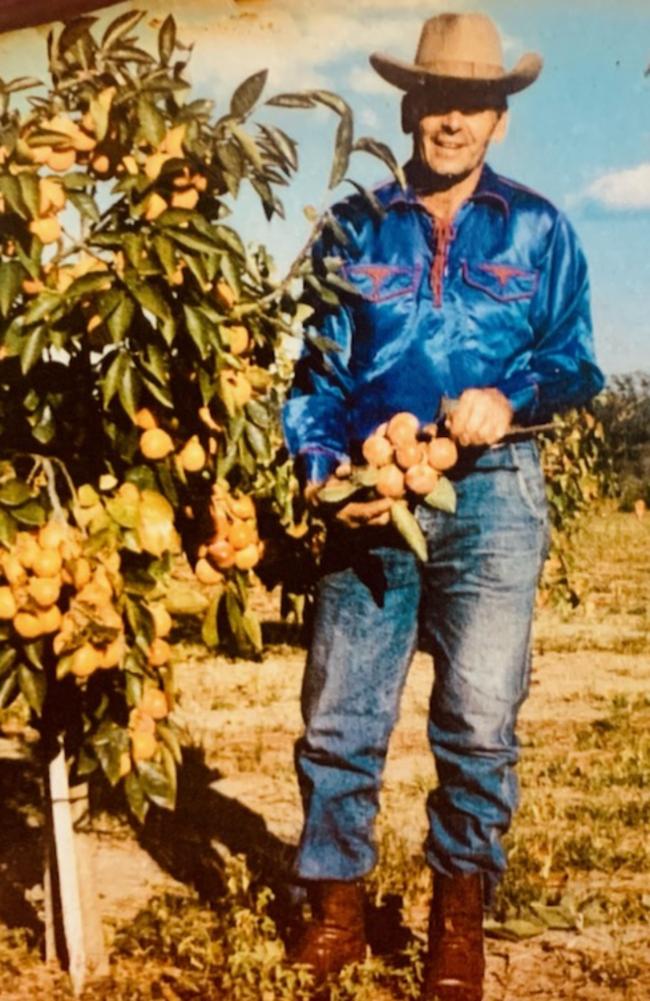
453,120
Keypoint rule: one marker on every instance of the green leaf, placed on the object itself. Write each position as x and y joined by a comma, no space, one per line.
135,796
152,123
170,739
7,659
12,274
165,251
183,599
9,689
110,742
33,686
120,27
259,442
292,101
149,298
119,322
248,145
7,528
42,307
129,390
124,512
252,630
31,514
443,496
85,205
332,101
197,329
113,378
167,39
258,413
74,31
247,94
513,930
384,153
210,629
155,784
10,190
191,242
14,493
337,493
342,150
406,524
30,192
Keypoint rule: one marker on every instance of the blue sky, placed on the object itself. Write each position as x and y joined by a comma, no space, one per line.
580,135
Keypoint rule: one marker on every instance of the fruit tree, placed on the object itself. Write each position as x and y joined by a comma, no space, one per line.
141,365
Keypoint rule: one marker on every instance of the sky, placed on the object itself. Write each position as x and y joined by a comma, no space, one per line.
580,134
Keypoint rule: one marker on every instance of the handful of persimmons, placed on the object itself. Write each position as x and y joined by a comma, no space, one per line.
405,461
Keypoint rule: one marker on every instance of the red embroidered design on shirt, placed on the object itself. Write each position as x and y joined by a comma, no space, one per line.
377,274
503,272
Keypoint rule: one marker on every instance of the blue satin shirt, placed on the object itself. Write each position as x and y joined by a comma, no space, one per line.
499,298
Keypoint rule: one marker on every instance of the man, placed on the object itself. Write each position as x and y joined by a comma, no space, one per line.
474,288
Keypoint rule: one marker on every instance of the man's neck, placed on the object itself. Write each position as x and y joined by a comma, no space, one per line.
442,196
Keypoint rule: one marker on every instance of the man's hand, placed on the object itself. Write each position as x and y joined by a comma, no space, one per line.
482,417
355,514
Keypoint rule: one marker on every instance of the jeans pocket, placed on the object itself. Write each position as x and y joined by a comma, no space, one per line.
532,487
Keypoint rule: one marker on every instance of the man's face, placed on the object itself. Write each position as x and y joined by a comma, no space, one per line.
452,138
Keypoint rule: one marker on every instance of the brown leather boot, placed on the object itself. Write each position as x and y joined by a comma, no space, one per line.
336,934
455,964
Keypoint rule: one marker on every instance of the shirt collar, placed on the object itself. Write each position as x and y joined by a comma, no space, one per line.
488,190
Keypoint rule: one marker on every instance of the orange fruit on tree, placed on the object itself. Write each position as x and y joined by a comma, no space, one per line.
248,557
442,453
50,619
61,160
13,569
8,606
241,507
159,652
145,419
377,450
81,573
26,549
143,745
85,661
156,444
45,590
47,563
192,456
27,625
101,164
156,205
409,454
154,703
129,492
46,228
205,573
125,764
238,339
162,620
186,199
53,534
141,722
222,552
225,293
390,481
421,478
402,428
111,655
242,534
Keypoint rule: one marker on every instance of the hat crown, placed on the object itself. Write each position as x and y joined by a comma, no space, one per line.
456,39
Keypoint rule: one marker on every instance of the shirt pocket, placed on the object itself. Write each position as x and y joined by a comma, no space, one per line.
382,282
500,281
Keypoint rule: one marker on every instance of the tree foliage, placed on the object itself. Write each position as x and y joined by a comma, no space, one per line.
141,367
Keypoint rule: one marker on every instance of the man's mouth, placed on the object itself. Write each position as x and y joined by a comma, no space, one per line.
447,145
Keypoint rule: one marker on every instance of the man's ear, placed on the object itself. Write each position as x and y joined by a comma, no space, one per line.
501,127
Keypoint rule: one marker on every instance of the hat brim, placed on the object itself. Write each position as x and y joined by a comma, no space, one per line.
408,76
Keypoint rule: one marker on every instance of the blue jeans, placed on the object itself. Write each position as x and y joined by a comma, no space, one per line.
472,604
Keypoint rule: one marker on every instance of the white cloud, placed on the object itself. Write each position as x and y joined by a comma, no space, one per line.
622,190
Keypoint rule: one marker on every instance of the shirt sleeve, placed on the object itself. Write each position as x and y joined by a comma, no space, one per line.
315,416
562,371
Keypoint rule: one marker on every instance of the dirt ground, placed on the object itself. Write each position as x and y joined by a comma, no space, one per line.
584,817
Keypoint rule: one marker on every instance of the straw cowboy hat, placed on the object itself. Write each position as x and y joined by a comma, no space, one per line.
459,52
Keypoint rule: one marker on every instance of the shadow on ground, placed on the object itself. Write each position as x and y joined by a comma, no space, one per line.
21,842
